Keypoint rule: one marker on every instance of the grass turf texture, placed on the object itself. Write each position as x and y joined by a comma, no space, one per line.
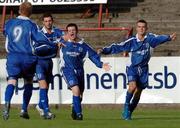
97,118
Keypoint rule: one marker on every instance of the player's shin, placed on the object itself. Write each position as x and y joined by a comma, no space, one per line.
8,96
134,103
9,93
27,96
77,105
126,112
44,99
129,96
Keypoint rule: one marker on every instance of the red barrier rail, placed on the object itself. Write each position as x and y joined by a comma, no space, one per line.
3,18
100,28
100,16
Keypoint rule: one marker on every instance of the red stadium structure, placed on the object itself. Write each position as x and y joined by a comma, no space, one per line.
99,28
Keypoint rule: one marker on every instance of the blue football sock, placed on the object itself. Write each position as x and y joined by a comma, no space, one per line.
27,96
40,104
77,104
128,97
134,103
44,99
9,93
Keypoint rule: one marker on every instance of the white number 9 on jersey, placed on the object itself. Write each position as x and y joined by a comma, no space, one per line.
17,32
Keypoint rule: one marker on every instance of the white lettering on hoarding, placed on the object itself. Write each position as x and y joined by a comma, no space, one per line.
51,2
163,83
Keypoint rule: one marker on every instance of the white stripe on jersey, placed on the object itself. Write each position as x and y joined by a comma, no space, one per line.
86,56
122,43
153,34
31,43
151,51
61,60
129,60
126,41
6,43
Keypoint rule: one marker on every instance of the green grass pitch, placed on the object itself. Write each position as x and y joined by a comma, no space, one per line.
97,118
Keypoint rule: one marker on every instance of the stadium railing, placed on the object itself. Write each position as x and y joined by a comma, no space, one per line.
99,28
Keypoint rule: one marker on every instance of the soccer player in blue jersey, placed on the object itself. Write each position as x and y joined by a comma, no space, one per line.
140,48
45,65
72,57
22,35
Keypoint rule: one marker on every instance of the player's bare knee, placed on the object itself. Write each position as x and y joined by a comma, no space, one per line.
132,87
43,84
75,90
12,81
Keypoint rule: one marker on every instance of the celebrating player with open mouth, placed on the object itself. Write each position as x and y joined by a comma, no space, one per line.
72,56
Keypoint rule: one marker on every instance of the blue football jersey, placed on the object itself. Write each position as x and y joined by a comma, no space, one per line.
73,55
47,51
22,35
139,51
54,35
45,65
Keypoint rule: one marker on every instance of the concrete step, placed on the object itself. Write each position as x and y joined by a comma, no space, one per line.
151,25
158,6
157,2
148,16
164,50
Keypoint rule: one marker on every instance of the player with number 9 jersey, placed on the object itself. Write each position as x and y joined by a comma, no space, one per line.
21,36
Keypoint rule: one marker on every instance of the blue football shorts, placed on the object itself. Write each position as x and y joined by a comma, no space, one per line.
20,66
44,69
73,77
138,74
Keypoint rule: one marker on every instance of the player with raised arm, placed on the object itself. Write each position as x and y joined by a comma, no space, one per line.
44,67
72,57
140,48
22,36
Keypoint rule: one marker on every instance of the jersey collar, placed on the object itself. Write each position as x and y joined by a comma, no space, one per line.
23,17
138,40
79,42
44,30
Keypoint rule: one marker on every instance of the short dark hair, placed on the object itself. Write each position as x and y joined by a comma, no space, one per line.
142,21
72,25
47,14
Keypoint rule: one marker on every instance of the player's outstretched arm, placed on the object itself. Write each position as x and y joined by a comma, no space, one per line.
160,39
116,48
